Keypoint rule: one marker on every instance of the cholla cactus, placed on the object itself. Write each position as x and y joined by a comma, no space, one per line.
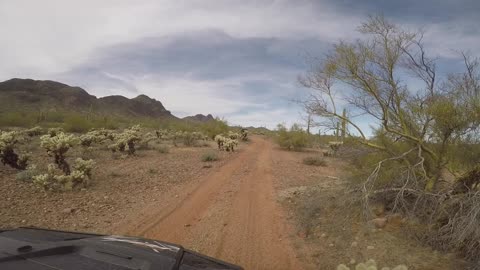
370,265
229,145
233,135
244,134
35,131
8,156
219,139
96,136
54,131
126,140
57,146
81,174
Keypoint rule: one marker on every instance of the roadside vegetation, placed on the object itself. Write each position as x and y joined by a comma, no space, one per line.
423,158
72,154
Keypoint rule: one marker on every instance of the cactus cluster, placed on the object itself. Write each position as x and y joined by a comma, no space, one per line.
57,146
8,155
226,143
370,265
81,174
35,131
96,136
125,141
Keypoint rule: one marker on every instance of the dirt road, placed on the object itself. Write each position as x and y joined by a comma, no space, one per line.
231,214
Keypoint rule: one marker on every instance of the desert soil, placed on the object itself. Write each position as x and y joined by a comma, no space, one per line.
260,208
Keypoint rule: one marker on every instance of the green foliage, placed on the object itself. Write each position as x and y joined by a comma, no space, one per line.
293,139
314,161
209,157
77,123
213,128
28,174
16,119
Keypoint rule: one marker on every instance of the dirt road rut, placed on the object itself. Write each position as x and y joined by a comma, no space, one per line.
231,214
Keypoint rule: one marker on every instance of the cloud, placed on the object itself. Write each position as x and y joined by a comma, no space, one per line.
238,58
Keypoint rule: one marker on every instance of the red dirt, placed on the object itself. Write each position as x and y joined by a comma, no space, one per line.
231,213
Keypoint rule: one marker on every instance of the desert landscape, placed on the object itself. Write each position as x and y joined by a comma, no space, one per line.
229,135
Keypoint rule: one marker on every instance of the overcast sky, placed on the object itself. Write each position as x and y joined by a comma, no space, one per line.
236,59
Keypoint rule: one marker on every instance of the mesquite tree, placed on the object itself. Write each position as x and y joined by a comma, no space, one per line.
377,71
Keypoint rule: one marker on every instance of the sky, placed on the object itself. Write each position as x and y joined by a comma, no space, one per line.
235,59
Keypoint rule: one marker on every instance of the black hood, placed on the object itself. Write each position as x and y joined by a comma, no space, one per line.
40,249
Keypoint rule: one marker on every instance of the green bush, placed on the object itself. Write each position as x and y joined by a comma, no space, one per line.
314,161
77,123
28,174
16,119
209,157
293,139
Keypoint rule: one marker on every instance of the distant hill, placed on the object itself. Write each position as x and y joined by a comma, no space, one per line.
34,95
200,118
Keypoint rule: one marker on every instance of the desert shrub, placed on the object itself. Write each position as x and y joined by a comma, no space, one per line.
292,139
81,175
163,149
189,139
314,161
77,123
213,128
57,146
35,131
125,141
16,119
145,141
28,174
209,157
8,153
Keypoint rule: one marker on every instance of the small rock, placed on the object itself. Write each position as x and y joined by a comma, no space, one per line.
187,225
23,221
379,222
352,261
67,210
324,235
354,244
400,267
370,247
302,234
331,245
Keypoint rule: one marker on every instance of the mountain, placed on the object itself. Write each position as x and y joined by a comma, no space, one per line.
200,118
35,95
